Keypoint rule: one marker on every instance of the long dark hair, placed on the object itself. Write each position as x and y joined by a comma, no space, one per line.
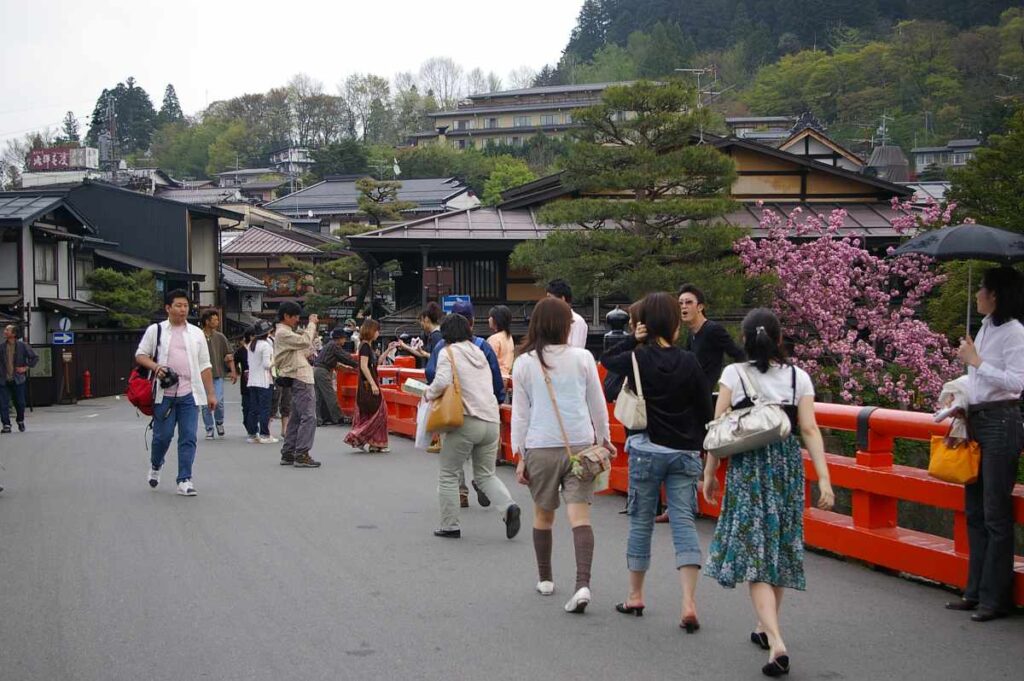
502,317
1007,285
762,338
549,325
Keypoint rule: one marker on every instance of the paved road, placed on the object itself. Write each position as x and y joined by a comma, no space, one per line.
278,574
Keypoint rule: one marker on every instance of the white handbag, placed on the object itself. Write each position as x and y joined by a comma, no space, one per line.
630,407
742,430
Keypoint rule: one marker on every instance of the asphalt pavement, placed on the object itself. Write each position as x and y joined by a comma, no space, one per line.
277,573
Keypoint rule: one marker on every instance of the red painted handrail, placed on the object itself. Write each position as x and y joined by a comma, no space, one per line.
870,533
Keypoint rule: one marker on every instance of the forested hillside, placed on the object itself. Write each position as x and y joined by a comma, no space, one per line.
940,69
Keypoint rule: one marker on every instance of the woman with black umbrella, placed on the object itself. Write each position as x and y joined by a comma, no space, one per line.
995,380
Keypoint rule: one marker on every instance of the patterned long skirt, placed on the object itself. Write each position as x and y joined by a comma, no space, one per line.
760,533
369,429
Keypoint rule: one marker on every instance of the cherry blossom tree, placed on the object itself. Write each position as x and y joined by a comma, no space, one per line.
851,314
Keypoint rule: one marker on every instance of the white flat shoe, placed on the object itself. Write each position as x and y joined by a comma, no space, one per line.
579,601
545,588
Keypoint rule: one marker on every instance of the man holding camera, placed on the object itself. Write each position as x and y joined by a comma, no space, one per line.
177,354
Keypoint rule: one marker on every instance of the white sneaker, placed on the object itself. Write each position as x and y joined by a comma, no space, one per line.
209,435
268,440
545,588
579,601
186,489
154,478
252,439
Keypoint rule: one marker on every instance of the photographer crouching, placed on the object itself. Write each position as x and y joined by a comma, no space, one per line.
177,356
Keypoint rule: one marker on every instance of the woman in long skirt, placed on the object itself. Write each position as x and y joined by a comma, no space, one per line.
759,538
370,425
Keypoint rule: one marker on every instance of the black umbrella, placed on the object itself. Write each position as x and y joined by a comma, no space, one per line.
967,242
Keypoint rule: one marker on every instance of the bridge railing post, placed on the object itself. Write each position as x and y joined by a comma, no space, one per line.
874,450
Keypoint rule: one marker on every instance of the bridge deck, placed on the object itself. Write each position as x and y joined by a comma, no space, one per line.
277,573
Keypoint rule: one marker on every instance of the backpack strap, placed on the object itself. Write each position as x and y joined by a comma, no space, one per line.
793,367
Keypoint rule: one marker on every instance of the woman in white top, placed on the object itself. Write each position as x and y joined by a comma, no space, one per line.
261,357
537,439
759,537
995,379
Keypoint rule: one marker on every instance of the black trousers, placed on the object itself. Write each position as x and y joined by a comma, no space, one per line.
989,506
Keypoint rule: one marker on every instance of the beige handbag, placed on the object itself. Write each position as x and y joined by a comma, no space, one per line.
630,407
446,412
589,465
742,430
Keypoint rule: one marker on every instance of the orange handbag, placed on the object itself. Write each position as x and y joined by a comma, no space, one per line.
957,463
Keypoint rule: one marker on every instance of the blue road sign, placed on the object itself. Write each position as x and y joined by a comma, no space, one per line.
63,338
448,301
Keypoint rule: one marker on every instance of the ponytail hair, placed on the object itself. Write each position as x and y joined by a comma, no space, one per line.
762,338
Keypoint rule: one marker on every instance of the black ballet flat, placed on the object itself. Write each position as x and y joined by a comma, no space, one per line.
962,604
759,639
777,667
637,610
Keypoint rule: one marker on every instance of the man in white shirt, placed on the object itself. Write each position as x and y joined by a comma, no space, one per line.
559,288
177,354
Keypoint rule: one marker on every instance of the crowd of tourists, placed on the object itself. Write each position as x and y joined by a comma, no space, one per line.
560,431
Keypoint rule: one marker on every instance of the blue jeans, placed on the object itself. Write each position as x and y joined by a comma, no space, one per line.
650,465
183,413
259,411
208,418
8,391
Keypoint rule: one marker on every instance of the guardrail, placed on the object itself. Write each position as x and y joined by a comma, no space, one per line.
871,532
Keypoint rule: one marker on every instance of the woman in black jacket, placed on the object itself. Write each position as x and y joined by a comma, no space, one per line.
678,407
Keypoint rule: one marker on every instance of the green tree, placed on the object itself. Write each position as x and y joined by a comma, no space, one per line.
234,147
990,188
346,157
183,149
378,200
644,190
170,109
69,131
507,173
131,298
136,118
610,64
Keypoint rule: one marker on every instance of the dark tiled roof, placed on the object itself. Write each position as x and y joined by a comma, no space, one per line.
256,240
239,280
334,197
144,264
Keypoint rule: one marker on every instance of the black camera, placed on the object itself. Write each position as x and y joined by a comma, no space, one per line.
169,379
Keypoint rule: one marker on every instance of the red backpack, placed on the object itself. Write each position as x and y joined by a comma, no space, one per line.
141,390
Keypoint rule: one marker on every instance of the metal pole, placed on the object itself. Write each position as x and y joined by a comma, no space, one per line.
970,268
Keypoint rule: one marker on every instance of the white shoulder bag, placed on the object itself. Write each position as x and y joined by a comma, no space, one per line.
630,407
742,430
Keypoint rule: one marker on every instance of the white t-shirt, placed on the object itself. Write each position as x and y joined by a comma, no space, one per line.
260,360
578,331
775,386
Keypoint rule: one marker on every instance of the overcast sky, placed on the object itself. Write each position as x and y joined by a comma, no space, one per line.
57,56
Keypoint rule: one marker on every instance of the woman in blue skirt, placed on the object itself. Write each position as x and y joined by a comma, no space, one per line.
759,538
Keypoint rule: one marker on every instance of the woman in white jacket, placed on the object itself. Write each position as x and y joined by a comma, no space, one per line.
478,437
537,438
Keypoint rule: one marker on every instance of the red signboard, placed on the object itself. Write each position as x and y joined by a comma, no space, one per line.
54,158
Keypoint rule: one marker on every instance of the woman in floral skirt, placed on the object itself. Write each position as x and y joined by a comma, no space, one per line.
760,534
370,425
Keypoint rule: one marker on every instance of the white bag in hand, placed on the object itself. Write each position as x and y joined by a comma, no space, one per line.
422,436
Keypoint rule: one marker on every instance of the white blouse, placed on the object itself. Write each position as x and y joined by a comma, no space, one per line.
1001,374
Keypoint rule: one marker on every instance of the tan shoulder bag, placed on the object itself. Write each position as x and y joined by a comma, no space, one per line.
446,412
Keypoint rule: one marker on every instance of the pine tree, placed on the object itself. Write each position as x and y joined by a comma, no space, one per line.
136,117
170,110
69,132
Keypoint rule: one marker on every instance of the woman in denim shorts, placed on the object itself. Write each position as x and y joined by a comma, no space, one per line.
668,452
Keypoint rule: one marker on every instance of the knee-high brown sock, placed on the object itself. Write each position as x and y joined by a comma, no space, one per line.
542,547
583,542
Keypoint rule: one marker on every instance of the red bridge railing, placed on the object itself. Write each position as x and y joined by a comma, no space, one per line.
870,533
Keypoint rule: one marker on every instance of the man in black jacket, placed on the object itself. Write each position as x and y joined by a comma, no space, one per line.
708,339
327,410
